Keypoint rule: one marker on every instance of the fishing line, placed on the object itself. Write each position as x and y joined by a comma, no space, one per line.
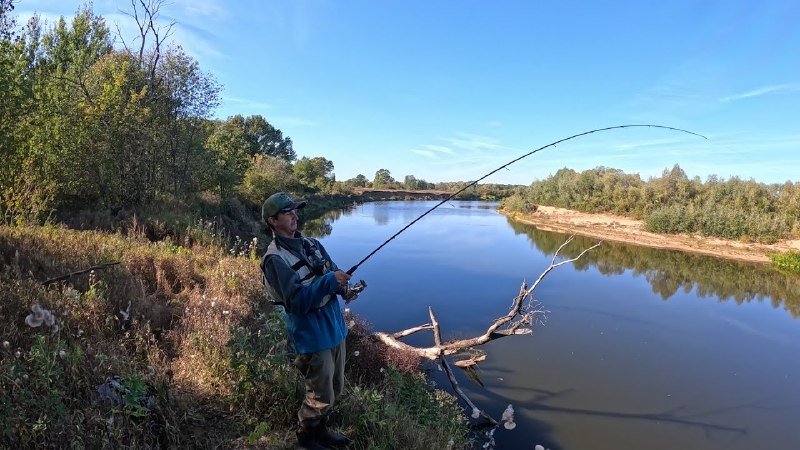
353,269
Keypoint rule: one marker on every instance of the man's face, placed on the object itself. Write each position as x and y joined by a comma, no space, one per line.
285,223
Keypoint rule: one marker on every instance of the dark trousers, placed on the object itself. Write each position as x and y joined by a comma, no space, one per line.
324,377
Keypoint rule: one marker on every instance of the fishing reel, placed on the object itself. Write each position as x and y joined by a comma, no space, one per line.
350,291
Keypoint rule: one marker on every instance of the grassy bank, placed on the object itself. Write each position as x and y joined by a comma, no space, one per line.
175,347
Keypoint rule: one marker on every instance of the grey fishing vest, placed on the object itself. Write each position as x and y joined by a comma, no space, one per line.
303,269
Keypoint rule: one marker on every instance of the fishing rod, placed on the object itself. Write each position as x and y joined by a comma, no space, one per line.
353,269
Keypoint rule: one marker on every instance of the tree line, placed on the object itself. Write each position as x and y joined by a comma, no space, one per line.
673,203
89,124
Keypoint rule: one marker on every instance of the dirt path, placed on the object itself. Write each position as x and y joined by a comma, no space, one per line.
623,229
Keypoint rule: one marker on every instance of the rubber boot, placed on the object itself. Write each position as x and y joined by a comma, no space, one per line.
330,438
307,437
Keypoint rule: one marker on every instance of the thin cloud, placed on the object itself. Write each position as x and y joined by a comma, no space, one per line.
474,142
648,143
765,90
425,153
439,148
203,8
246,103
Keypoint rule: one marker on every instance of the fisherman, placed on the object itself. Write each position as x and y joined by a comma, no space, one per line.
300,276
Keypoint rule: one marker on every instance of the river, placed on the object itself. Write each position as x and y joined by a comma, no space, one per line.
642,348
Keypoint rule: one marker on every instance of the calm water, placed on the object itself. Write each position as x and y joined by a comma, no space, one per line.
642,349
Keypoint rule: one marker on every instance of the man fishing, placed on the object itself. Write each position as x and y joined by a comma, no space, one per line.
300,276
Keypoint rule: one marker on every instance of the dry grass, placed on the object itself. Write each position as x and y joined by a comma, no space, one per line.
201,359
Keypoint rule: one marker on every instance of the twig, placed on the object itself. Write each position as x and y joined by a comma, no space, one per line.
461,393
70,275
553,263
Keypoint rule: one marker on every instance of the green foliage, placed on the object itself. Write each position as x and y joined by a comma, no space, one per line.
267,386
403,412
357,181
383,180
789,261
264,139
411,183
314,174
229,146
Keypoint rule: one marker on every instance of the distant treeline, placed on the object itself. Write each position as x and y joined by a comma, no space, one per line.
673,203
87,125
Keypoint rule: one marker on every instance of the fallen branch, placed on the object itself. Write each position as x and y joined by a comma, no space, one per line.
524,312
70,275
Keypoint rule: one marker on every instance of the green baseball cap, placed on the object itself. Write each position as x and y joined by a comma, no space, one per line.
278,202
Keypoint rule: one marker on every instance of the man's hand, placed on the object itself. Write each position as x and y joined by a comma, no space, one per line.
341,277
351,291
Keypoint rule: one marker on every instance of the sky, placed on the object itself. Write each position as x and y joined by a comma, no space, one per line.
449,90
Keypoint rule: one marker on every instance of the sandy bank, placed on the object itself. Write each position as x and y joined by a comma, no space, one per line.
623,229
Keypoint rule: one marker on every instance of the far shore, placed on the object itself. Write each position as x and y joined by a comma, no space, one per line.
609,227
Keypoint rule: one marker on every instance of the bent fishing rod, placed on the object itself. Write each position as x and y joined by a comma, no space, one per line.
552,144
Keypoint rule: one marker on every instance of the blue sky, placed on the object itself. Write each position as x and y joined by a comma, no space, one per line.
449,90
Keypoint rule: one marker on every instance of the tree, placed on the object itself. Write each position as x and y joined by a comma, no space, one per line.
265,176
315,174
6,21
383,179
229,146
188,96
265,139
410,183
359,181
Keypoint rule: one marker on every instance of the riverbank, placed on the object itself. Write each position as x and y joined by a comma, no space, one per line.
611,227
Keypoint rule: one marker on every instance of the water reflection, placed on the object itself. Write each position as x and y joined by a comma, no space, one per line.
318,224
669,271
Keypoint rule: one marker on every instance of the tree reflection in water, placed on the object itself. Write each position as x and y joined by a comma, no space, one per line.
668,271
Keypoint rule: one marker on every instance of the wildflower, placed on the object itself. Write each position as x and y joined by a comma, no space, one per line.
62,354
18,354
476,413
382,370
6,345
356,353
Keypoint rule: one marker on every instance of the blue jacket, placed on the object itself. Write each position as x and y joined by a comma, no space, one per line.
313,317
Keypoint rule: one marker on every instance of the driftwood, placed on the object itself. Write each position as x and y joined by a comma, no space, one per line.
524,313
